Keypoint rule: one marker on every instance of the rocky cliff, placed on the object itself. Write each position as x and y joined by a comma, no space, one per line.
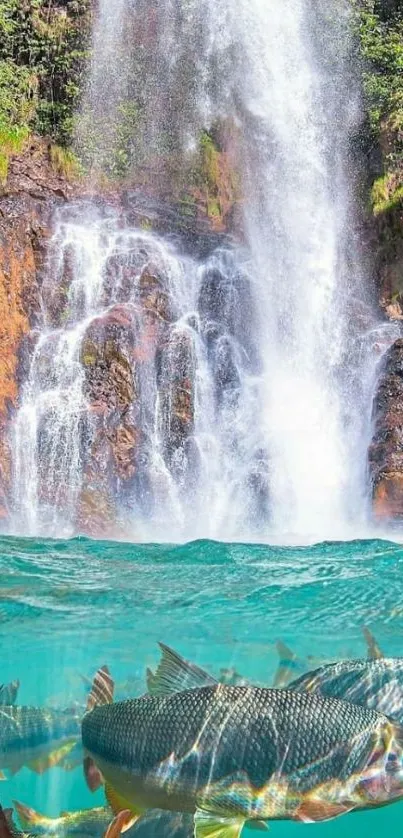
27,204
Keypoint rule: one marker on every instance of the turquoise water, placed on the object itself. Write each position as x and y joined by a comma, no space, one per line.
67,607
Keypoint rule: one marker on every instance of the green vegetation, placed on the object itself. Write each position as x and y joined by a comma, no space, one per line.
12,139
64,162
386,194
381,40
43,49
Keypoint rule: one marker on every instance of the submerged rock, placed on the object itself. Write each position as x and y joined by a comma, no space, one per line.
386,450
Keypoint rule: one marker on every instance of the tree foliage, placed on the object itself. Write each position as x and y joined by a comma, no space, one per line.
43,49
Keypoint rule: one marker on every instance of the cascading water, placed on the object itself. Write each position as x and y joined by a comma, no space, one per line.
249,383
202,346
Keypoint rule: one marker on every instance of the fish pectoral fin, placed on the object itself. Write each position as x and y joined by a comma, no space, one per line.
2,776
120,804
92,774
121,823
208,825
315,811
175,674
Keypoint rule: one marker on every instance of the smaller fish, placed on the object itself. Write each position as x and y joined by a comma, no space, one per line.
373,683
8,693
38,738
98,822
88,822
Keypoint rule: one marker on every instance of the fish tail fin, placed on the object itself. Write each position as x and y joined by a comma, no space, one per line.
373,650
102,689
29,817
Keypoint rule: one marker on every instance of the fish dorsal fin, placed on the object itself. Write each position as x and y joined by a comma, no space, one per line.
285,669
102,689
8,693
175,674
208,825
373,650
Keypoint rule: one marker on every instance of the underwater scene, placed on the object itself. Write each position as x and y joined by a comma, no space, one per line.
242,613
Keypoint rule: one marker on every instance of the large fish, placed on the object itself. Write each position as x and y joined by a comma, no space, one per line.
232,755
38,738
94,823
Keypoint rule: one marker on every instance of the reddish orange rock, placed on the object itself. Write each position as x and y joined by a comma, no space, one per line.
386,450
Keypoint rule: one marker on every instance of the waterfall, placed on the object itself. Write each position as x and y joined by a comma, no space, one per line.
247,369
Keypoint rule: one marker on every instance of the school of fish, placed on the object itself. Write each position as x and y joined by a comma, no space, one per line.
200,757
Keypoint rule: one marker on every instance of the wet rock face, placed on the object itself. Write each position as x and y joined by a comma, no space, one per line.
386,450
127,353
110,389
27,204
